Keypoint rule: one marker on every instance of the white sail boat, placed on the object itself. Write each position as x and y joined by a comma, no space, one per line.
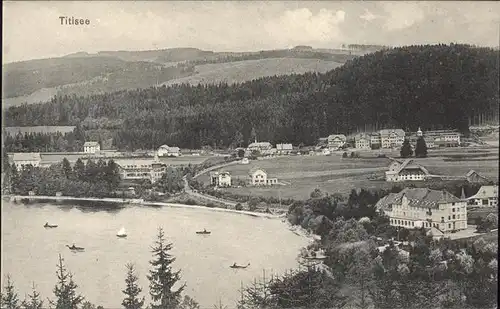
122,233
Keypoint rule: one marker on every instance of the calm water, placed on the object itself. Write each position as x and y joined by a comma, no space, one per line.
30,252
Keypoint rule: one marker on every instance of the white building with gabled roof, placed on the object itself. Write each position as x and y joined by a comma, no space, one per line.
167,151
439,209
284,149
24,159
91,147
487,196
220,179
407,170
258,177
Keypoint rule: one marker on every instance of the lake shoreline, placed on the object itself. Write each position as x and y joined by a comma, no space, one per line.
138,202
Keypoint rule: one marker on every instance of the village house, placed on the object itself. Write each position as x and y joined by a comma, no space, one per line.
167,151
259,146
406,170
284,149
375,141
24,159
91,147
362,141
422,207
473,177
487,196
220,179
258,177
392,138
245,161
336,141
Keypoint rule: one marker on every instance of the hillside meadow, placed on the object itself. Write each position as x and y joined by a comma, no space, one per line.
241,71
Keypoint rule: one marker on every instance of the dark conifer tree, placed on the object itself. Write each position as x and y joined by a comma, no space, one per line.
79,169
421,148
132,290
65,289
406,150
34,301
67,168
161,277
9,298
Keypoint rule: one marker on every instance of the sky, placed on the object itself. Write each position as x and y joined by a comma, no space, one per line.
33,30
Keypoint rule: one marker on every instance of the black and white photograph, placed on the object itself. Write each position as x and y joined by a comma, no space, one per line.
250,154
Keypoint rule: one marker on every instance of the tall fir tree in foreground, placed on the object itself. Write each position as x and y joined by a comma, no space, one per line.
421,148
161,277
132,291
34,300
406,150
9,299
65,289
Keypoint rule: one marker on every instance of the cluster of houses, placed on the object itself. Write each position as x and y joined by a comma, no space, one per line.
392,138
256,177
266,149
409,170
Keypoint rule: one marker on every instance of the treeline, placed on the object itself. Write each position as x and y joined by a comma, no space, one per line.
93,179
162,279
90,179
431,87
44,142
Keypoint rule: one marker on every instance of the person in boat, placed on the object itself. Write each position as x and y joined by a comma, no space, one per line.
234,265
204,230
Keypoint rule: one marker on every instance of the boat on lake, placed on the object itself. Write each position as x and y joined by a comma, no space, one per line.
75,248
49,226
205,232
239,266
122,233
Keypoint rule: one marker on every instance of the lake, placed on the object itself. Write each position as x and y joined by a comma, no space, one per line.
30,252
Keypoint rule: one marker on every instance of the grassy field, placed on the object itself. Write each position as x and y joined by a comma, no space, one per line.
300,175
241,71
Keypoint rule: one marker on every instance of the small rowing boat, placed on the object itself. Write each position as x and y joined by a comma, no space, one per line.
239,266
75,248
49,226
205,232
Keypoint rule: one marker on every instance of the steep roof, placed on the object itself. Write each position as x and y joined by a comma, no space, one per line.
417,197
340,136
399,132
259,144
90,144
255,169
486,192
27,156
410,164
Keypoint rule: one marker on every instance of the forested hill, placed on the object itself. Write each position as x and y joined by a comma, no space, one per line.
438,86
